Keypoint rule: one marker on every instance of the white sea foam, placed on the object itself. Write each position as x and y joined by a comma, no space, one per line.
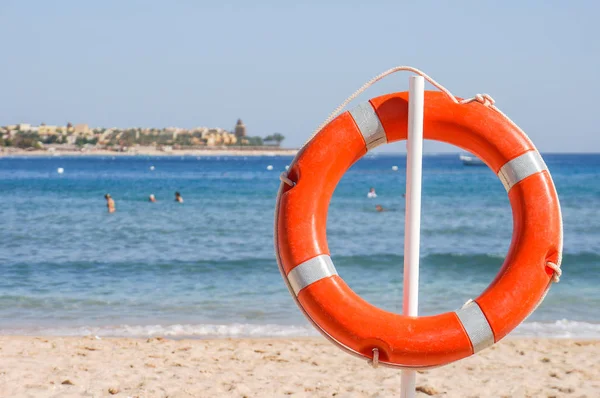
559,329
181,331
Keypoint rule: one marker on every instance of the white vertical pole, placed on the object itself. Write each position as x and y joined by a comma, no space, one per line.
412,227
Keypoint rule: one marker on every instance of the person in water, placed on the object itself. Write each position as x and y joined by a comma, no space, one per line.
371,193
178,197
110,203
379,208
151,198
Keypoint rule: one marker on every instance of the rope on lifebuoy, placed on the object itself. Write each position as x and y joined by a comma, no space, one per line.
484,99
284,178
375,361
557,271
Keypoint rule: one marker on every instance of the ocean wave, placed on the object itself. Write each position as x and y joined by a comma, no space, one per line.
558,329
586,262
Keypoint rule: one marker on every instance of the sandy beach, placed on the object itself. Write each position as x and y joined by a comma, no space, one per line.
302,367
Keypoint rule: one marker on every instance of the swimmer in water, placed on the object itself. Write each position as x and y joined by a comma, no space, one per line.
371,193
110,203
151,198
379,208
178,197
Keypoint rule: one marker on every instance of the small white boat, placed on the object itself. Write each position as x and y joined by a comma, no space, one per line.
470,160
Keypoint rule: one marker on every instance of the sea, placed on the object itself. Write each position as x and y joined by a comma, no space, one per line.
206,268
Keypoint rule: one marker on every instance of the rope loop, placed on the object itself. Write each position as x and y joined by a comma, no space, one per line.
557,271
484,99
375,361
375,80
284,178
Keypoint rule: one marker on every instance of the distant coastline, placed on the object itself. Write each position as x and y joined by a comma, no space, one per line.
24,139
249,151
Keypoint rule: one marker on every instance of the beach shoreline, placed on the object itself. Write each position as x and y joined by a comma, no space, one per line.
180,152
307,366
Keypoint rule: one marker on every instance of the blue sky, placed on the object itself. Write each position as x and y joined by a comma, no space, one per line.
284,66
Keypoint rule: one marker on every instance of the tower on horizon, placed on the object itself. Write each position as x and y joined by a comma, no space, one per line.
240,129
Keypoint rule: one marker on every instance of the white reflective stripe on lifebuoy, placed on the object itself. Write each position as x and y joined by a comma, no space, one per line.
520,168
476,325
311,271
369,125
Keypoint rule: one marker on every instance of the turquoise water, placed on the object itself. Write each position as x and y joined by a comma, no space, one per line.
207,268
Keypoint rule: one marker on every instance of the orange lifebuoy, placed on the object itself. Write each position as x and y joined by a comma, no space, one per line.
355,325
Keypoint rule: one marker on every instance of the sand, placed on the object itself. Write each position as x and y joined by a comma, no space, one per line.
301,367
